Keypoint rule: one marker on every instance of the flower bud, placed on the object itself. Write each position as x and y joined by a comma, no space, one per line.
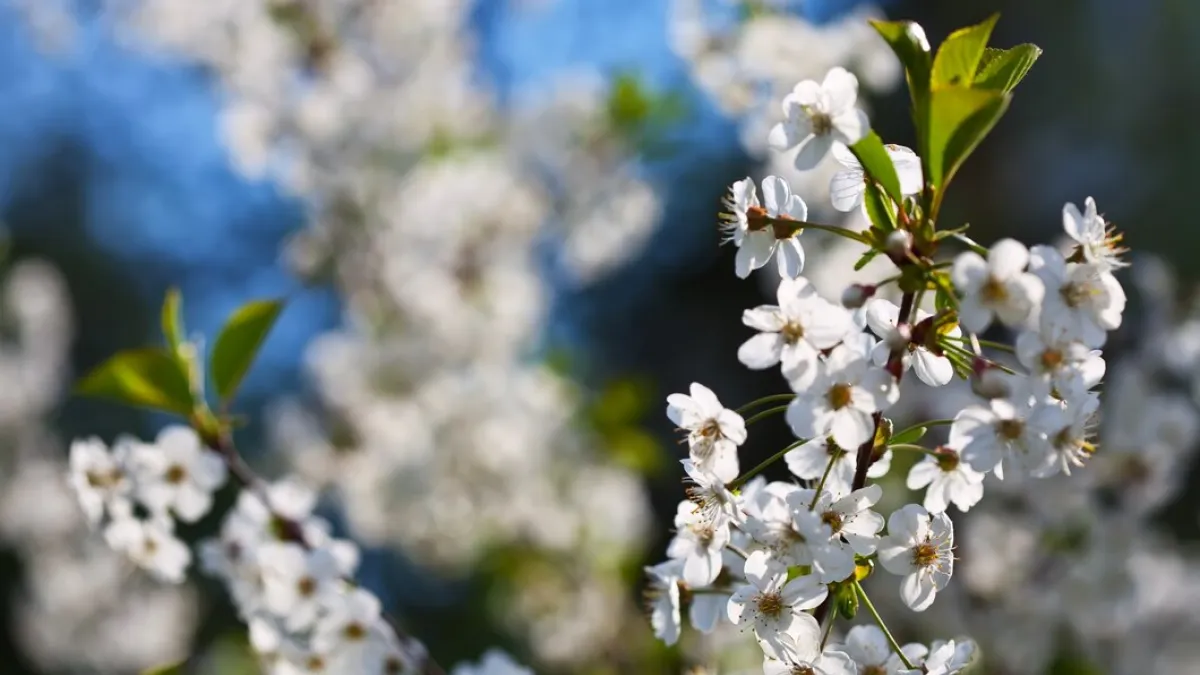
898,244
856,295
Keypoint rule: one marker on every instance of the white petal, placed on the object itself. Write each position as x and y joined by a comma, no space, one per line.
775,194
812,151
933,370
970,271
841,88
846,188
1007,258
702,569
755,251
918,591
761,351
791,258
851,126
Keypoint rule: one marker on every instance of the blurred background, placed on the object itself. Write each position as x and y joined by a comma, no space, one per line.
496,225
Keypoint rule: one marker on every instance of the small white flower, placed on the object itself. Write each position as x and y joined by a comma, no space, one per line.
847,187
999,286
997,436
803,654
943,658
662,600
708,492
853,528
150,544
750,227
770,522
297,583
1067,364
1067,427
920,547
810,459
773,605
932,367
348,622
795,331
714,432
178,474
949,479
1096,240
1083,301
818,115
699,542
847,391
99,477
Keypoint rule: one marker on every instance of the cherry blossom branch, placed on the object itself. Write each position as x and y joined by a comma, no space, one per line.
291,530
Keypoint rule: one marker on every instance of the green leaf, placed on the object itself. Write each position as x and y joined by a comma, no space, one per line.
238,343
879,212
865,259
847,601
172,321
1003,69
908,40
909,436
959,118
149,378
958,57
878,164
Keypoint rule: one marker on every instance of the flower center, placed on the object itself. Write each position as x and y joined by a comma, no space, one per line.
1052,359
924,554
354,631
757,218
839,396
393,666
770,604
822,124
704,533
176,474
1074,294
947,459
874,670
994,291
1135,470
103,479
792,332
306,587
833,519
803,670
314,663
1010,430
710,429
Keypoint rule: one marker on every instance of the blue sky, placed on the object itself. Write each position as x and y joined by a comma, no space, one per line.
160,186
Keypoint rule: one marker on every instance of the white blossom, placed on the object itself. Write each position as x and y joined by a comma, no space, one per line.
920,547
819,115
700,541
1083,301
713,431
947,479
773,606
756,237
793,332
998,286
846,392
1092,235
178,474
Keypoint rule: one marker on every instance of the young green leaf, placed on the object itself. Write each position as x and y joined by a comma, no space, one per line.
958,57
866,259
908,40
959,118
877,164
879,211
238,344
176,668
149,378
909,436
172,321
1003,69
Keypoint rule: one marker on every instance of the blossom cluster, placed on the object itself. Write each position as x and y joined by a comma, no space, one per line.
290,579
771,557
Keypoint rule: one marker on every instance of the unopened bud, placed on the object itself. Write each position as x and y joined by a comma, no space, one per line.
988,380
856,295
898,244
